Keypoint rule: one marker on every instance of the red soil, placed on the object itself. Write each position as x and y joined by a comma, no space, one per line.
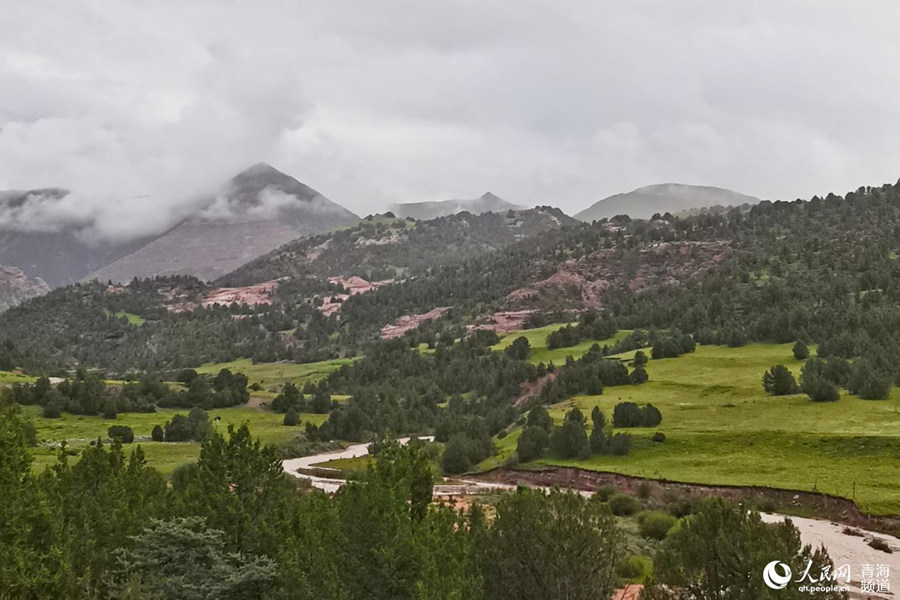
410,322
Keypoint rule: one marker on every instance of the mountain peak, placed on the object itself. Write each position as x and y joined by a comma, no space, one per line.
661,198
487,202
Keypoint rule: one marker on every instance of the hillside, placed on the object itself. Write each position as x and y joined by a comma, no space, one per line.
284,306
673,198
487,202
258,210
823,271
383,247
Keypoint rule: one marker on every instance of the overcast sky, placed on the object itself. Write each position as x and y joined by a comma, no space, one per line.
137,105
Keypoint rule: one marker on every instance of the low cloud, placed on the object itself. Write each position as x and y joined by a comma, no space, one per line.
144,109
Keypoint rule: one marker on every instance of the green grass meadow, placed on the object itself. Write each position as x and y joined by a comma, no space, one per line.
537,338
80,430
276,374
721,428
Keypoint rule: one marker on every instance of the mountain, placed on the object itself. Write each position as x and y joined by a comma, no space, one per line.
673,198
487,202
286,305
60,255
15,287
257,211
384,247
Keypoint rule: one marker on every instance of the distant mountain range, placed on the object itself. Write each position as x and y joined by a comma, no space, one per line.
257,211
673,198
424,211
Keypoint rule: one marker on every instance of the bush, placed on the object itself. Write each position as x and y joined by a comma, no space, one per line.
819,389
867,382
605,492
659,437
645,490
157,435
51,411
570,440
122,433
636,569
801,351
532,443
622,505
779,381
291,418
880,544
455,458
629,414
655,524
519,349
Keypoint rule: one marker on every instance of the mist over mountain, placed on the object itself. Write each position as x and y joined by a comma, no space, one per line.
644,202
43,233
260,209
487,202
49,233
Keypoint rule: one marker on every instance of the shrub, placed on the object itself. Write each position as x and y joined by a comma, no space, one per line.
655,524
122,433
455,458
291,418
622,505
659,437
779,381
51,411
801,351
157,435
605,492
636,568
532,443
629,414
519,349
867,382
819,389
645,490
880,544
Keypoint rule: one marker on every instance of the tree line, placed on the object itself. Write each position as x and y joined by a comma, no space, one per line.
234,526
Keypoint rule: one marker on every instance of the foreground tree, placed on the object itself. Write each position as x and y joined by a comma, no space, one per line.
721,552
554,545
183,559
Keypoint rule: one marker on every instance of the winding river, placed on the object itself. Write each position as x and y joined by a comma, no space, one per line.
843,549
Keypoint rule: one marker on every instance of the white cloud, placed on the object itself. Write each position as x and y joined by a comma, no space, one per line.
140,107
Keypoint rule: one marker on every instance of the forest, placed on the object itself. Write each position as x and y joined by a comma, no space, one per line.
233,525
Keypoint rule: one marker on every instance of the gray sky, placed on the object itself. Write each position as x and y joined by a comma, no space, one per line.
137,105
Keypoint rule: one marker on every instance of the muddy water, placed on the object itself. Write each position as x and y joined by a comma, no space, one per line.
332,484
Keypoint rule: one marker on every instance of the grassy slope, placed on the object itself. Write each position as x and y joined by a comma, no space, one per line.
722,429
275,374
12,377
537,338
79,430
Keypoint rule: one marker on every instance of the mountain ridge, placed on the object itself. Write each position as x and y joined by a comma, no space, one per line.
487,202
644,202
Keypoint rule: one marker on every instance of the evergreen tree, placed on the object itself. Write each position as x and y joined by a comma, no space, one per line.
801,351
291,418
779,381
